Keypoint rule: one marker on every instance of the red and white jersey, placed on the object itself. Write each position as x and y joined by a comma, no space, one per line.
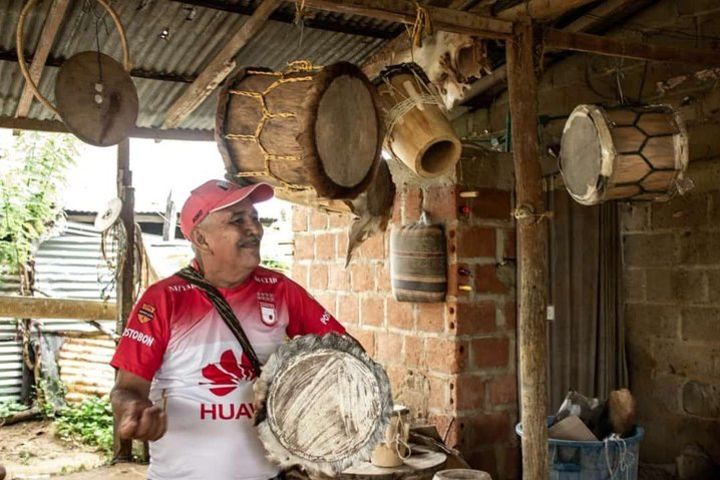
176,339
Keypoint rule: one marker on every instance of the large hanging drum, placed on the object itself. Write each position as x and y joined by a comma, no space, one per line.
327,404
634,153
418,133
304,129
418,263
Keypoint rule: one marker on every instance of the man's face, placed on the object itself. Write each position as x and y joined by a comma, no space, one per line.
233,235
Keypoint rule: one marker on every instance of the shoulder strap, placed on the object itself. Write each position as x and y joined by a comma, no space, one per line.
221,305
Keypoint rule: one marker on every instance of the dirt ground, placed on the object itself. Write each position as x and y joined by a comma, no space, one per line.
30,450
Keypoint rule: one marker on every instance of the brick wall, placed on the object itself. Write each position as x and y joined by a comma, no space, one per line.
671,250
453,363
672,311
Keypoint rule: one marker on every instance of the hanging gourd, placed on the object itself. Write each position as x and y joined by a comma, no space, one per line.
95,96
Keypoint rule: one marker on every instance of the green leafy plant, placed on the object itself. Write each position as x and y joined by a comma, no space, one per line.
275,265
9,408
31,171
89,423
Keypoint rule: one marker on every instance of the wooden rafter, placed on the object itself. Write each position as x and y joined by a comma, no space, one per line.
137,132
581,42
540,10
403,11
45,43
219,67
610,10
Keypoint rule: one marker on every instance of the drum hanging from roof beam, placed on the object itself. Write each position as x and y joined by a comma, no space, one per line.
304,130
632,153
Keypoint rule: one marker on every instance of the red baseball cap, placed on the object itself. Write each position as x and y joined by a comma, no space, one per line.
215,195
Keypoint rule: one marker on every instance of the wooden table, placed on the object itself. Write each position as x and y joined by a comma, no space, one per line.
422,464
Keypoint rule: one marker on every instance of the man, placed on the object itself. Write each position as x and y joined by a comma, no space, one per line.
184,382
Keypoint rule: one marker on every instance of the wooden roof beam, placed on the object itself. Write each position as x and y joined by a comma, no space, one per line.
47,38
582,42
402,11
540,10
219,67
55,126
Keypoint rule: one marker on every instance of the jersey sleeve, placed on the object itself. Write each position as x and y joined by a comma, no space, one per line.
307,315
142,345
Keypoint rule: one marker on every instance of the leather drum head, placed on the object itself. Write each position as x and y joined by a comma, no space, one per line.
96,98
327,404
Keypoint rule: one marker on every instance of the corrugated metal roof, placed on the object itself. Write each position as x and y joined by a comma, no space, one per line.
186,50
10,346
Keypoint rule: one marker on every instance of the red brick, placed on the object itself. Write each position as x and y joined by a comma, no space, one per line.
397,208
383,278
327,300
373,248
412,205
503,390
414,351
299,274
341,247
475,242
399,314
511,315
439,393
339,278
487,281
509,243
303,246
491,204
373,311
362,278
510,460
469,392
444,423
299,219
488,429
475,318
325,246
348,311
441,203
490,352
396,374
446,355
366,339
318,220
319,277
430,317
389,346
339,221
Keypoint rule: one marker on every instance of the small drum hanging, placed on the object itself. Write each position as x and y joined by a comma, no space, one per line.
327,404
96,98
301,130
634,153
418,133
418,263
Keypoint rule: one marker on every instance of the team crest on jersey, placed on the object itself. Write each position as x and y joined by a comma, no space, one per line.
268,315
146,313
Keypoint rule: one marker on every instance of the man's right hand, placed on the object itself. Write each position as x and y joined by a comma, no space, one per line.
141,420
135,416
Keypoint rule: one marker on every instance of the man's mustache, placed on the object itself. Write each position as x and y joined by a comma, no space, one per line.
251,241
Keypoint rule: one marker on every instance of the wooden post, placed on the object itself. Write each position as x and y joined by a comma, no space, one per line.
126,263
532,251
170,222
40,307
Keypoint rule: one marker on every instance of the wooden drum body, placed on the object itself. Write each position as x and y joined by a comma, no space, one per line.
418,133
315,131
418,263
634,153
